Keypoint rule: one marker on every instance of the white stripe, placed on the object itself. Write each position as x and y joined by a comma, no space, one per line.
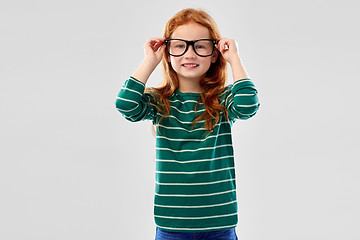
230,95
171,116
126,100
194,195
195,184
197,172
252,105
226,90
198,229
130,116
133,119
180,128
195,161
142,111
237,112
197,129
193,140
244,94
201,206
193,150
131,90
245,114
137,81
191,111
239,94
123,110
183,102
216,216
240,81
190,131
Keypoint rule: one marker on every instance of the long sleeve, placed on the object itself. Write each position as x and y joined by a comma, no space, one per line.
133,103
242,102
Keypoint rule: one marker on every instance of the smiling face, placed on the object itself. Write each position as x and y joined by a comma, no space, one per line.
190,67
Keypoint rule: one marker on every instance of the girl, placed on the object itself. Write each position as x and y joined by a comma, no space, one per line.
193,111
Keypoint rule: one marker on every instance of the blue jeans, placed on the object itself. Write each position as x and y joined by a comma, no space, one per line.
228,234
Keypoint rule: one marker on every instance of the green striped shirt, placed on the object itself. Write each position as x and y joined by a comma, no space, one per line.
195,172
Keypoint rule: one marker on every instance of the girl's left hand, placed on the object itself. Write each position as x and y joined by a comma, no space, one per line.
228,49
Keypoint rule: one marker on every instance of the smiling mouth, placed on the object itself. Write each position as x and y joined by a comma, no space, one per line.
191,65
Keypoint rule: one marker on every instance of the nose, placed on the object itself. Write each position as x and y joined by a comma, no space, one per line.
190,53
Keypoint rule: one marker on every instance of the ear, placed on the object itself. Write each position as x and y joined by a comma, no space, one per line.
214,56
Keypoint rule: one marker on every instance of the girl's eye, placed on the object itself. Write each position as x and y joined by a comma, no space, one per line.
180,46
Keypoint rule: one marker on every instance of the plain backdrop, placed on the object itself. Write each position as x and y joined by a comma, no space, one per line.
71,167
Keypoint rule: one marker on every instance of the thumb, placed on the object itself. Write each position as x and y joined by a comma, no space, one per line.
161,49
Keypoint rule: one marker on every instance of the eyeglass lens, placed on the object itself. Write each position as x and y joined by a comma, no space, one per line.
201,47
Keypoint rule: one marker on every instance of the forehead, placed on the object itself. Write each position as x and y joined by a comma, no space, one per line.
191,31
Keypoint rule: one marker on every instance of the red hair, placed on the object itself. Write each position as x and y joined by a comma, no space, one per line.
213,83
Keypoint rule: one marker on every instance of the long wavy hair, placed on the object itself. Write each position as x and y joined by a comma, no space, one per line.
213,83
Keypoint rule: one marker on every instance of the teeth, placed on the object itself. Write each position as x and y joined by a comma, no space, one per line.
190,65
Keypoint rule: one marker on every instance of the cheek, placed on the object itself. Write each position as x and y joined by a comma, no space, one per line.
206,63
175,62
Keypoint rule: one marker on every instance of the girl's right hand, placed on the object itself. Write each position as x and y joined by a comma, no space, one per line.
154,50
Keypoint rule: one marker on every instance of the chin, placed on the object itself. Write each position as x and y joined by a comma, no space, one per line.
194,76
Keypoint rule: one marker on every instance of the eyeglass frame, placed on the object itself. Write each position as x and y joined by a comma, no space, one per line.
191,43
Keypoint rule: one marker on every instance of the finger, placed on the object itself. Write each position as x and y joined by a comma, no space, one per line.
161,49
217,45
158,47
155,43
226,43
160,43
160,40
155,40
223,46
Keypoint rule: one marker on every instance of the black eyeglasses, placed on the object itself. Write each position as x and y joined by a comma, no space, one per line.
202,47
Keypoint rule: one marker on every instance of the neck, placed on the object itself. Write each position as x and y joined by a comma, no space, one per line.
189,85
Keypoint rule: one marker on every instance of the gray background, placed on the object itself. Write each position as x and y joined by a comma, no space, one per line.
72,168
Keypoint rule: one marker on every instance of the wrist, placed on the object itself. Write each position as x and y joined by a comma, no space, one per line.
238,69
234,61
149,63
144,70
